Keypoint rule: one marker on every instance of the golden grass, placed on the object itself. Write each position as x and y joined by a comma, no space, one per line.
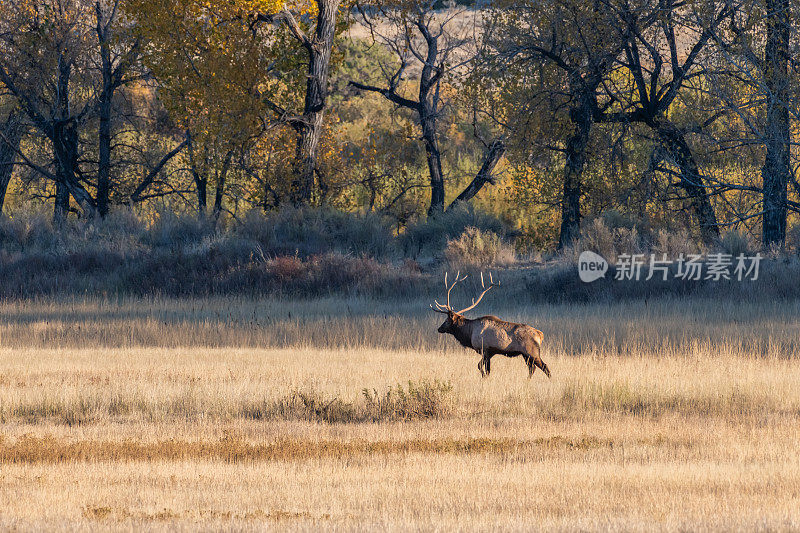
658,416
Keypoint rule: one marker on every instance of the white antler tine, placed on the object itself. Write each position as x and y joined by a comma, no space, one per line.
491,281
482,284
445,279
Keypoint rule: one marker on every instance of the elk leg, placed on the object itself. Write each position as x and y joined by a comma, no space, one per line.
543,366
538,362
529,362
487,363
480,367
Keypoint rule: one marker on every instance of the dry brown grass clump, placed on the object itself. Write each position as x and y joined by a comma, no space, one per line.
476,248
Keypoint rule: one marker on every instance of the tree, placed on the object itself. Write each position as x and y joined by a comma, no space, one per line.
42,59
230,71
119,56
63,61
757,84
316,42
645,95
550,61
435,44
777,170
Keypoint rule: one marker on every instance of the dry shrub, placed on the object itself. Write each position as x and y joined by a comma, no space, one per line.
27,229
736,242
674,243
173,231
306,232
610,243
428,238
287,267
479,248
417,401
793,238
312,406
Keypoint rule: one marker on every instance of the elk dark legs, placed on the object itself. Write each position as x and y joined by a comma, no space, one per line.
485,364
536,360
529,362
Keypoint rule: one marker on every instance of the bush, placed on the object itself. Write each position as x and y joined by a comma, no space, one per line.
609,243
793,238
736,242
417,401
28,229
307,232
429,237
174,231
479,248
674,243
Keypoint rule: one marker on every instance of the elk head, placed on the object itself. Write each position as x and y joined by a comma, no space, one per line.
455,318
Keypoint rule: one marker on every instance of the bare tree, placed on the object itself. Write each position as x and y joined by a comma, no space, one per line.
431,47
650,52
550,61
42,59
118,62
317,44
756,79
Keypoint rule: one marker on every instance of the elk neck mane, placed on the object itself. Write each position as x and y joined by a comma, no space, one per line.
462,330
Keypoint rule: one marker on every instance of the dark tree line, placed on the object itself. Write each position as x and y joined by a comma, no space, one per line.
240,99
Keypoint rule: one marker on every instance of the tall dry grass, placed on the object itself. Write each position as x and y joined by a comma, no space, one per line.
354,414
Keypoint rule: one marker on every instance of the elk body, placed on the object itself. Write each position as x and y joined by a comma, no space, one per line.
489,335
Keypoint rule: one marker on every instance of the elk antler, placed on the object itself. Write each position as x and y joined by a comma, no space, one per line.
485,290
448,308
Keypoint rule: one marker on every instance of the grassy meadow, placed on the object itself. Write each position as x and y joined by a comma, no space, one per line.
353,413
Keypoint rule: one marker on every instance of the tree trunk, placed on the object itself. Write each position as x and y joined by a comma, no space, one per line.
691,180
61,206
484,175
220,189
309,129
434,159
200,180
575,154
776,170
65,150
104,133
64,135
9,145
201,184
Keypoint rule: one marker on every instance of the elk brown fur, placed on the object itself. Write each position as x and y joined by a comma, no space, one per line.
490,335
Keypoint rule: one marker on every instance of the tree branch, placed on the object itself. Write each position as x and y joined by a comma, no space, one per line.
151,176
484,175
389,94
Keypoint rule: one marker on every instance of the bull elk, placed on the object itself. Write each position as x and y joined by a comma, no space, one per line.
489,335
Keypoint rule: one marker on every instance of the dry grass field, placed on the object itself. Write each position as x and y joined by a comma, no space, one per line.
269,414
